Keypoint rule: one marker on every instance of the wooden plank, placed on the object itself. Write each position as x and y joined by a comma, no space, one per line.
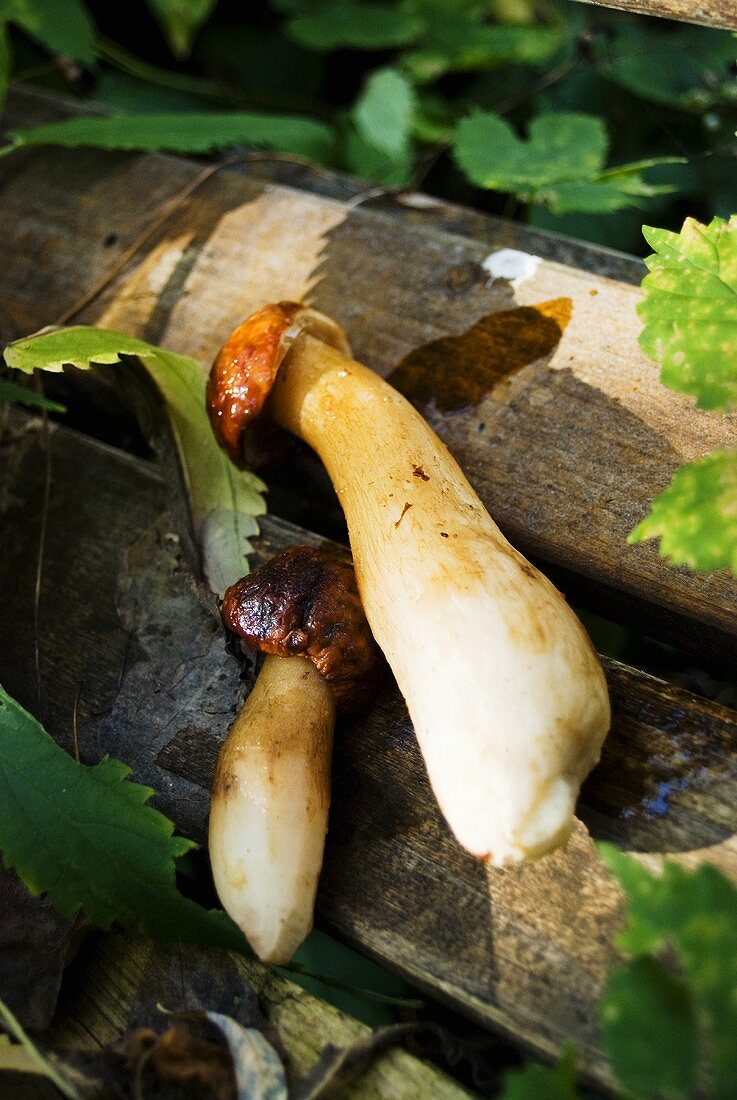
524,950
27,106
567,452
710,13
121,978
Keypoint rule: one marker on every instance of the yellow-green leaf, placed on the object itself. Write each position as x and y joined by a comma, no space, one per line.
690,309
223,500
696,517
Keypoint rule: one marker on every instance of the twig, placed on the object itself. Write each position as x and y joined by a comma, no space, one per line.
75,709
40,560
124,662
560,72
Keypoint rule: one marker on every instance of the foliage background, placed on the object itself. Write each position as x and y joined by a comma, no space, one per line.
430,94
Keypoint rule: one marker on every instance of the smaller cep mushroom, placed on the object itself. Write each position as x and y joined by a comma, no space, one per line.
271,791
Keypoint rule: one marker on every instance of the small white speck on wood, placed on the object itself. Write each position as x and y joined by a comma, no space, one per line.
511,264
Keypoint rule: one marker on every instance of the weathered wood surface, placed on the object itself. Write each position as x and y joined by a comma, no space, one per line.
524,950
712,13
567,452
121,979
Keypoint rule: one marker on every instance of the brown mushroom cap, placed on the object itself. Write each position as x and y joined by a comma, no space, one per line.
245,368
305,603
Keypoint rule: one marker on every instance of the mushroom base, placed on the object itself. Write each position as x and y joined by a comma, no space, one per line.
270,804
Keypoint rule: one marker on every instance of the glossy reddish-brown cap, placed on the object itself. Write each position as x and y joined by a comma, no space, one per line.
304,602
244,371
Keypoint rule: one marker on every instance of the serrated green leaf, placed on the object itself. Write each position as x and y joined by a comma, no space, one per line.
85,836
339,24
63,27
650,1031
690,309
21,395
383,113
180,20
536,1082
694,913
696,517
560,165
184,133
223,500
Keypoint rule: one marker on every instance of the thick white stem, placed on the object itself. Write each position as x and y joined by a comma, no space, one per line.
506,693
270,803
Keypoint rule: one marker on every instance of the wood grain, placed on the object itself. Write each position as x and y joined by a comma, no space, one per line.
711,13
121,978
523,950
567,453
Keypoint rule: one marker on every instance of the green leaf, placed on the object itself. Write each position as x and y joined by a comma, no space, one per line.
457,42
85,836
693,913
696,517
536,1082
184,133
125,94
561,146
63,27
261,63
338,24
372,164
666,66
223,500
180,20
383,113
11,391
608,191
690,309
433,120
559,166
649,1031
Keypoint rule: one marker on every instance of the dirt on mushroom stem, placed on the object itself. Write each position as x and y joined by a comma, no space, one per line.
507,696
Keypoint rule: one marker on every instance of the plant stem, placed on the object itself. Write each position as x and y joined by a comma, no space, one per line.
133,66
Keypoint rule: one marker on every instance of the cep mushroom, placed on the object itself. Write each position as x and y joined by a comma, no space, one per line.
507,694
271,791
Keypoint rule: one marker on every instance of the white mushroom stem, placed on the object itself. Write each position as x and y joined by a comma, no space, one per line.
270,801
506,693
